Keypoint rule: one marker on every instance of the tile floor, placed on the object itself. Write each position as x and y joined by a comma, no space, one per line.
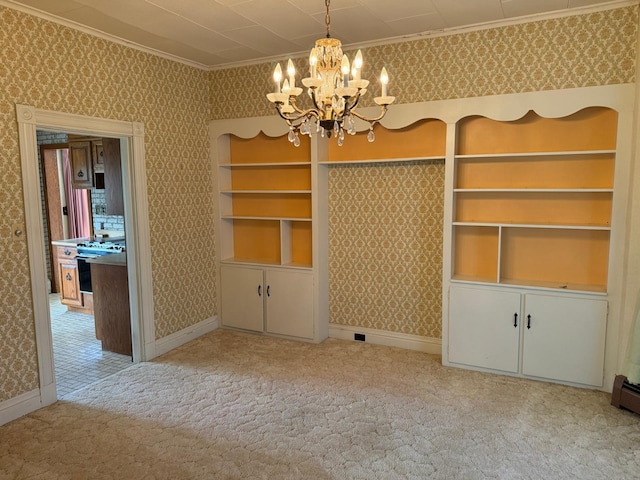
78,356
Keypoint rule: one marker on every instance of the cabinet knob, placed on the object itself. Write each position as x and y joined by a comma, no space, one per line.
259,290
515,319
528,321
68,276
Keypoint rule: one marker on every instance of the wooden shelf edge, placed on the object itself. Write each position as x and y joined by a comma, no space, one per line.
533,225
532,285
265,164
285,219
265,263
257,192
383,160
534,154
533,190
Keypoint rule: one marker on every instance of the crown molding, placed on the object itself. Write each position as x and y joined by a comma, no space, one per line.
569,12
97,33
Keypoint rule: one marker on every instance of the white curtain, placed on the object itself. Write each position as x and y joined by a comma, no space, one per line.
77,203
632,361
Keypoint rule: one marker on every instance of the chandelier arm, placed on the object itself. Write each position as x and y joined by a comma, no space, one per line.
302,113
348,108
366,119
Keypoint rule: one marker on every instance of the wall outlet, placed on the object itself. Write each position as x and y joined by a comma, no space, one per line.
359,337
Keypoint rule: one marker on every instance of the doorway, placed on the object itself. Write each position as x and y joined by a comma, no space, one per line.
80,358
130,136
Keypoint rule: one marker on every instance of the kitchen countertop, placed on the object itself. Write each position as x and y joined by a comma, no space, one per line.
73,242
116,259
70,242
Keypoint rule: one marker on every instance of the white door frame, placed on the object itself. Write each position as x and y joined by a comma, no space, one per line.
131,135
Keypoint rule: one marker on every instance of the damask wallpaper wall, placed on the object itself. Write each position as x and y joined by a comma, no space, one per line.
54,67
584,50
385,237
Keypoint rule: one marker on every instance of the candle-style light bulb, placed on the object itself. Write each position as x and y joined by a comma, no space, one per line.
277,76
345,67
357,65
313,61
384,80
291,71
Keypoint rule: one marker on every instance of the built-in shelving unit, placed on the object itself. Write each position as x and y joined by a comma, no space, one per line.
420,141
533,200
535,210
265,201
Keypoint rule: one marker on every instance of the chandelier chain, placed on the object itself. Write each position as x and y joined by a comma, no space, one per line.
327,19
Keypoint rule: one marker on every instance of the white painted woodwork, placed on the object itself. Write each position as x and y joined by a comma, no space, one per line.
300,309
242,298
481,328
566,338
563,340
289,303
551,104
131,136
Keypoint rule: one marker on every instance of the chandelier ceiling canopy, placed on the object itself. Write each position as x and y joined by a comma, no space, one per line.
334,86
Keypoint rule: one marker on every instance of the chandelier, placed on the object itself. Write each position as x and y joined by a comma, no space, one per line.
334,93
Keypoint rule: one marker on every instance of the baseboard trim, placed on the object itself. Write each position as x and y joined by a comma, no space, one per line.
390,339
185,335
19,406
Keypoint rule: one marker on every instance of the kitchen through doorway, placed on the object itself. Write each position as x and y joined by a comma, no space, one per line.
81,224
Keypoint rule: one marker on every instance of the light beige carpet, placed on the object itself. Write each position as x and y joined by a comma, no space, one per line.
238,406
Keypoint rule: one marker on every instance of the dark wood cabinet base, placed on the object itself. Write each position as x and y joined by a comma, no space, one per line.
111,307
625,395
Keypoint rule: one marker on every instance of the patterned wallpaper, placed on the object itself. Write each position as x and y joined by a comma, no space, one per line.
385,246
393,282
54,67
578,51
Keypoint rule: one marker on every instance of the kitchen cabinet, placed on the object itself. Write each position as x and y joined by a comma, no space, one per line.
87,162
68,277
112,176
552,337
111,302
81,160
274,301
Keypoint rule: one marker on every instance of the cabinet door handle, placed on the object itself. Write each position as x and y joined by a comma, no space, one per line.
268,290
259,290
67,252
515,319
528,321
68,276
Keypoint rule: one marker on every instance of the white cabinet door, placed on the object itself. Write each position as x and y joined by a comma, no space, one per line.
242,298
289,303
483,328
564,339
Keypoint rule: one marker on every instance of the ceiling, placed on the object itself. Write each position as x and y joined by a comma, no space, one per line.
215,33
